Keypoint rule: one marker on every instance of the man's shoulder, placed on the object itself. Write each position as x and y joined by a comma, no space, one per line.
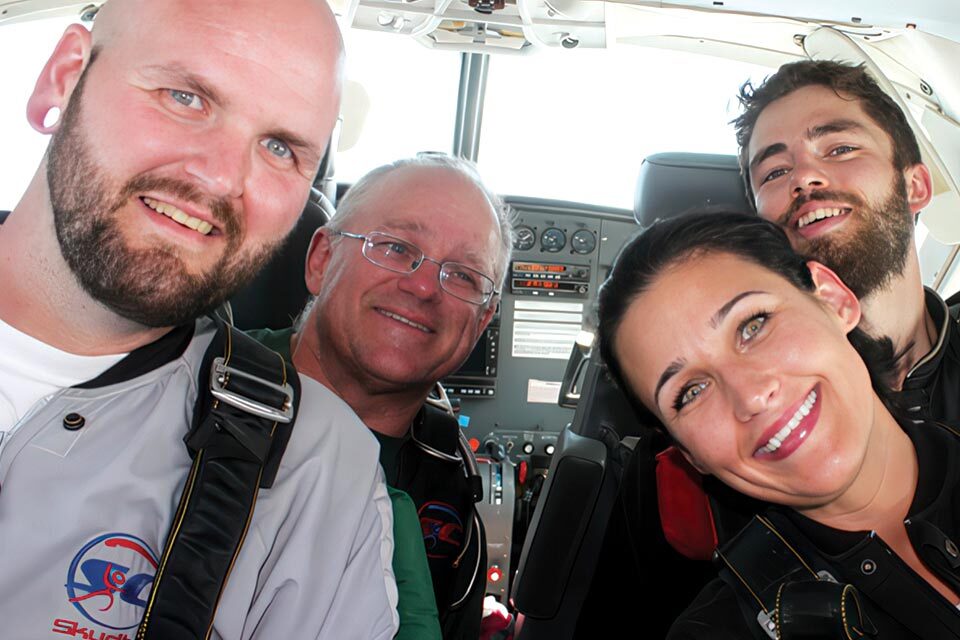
953,302
948,340
276,339
320,531
326,427
953,309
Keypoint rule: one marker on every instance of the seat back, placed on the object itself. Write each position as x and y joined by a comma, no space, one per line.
566,532
596,548
278,293
276,296
676,184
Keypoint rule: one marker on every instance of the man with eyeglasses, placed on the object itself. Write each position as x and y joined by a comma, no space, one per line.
406,277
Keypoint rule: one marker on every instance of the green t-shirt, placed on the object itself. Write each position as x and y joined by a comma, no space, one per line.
416,604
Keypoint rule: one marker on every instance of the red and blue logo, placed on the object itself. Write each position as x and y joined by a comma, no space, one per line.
442,529
110,579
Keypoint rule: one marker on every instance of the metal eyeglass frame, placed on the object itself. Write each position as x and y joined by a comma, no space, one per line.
423,258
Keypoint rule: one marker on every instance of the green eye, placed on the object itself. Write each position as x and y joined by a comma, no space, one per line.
750,328
688,394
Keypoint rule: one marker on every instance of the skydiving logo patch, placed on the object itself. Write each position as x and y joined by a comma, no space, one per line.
109,580
442,529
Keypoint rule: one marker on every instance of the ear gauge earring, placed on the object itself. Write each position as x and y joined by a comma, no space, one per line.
51,119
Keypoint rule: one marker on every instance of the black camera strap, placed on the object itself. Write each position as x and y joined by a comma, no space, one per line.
789,597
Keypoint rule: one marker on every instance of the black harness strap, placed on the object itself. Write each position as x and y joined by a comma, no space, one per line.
241,425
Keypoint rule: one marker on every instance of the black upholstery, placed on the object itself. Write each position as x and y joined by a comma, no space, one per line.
278,293
567,530
673,184
551,553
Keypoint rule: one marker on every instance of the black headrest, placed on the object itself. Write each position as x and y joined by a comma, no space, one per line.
278,293
673,184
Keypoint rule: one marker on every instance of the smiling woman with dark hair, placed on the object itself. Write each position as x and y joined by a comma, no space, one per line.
759,375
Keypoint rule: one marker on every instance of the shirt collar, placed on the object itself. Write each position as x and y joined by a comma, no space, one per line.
165,349
929,363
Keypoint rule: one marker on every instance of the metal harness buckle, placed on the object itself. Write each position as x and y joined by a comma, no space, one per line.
218,377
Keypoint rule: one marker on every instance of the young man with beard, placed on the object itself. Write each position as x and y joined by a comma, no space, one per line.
829,157
189,136
406,277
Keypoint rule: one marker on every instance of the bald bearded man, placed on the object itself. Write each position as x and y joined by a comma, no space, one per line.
188,136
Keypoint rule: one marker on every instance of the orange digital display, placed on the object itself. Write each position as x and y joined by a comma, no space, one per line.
535,267
537,284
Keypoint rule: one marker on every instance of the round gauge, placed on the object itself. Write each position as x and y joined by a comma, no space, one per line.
553,240
583,241
523,238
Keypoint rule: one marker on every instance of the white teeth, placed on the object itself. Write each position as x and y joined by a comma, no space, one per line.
200,226
819,214
415,325
774,443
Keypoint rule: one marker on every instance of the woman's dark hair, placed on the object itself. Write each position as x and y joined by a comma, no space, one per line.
667,243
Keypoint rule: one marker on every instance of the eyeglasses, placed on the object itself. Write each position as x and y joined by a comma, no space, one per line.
400,256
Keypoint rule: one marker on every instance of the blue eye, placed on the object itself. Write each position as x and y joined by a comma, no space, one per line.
186,98
277,147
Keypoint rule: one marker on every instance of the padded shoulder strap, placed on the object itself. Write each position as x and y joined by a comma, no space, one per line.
438,428
241,425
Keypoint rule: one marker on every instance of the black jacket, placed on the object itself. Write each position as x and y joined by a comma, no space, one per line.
897,600
452,532
932,387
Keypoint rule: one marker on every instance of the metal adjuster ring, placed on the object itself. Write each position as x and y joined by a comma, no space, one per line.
218,377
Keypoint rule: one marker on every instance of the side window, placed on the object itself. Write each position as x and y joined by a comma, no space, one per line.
408,95
576,124
24,48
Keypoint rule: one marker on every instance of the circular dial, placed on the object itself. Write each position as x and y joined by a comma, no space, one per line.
523,238
553,240
583,241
